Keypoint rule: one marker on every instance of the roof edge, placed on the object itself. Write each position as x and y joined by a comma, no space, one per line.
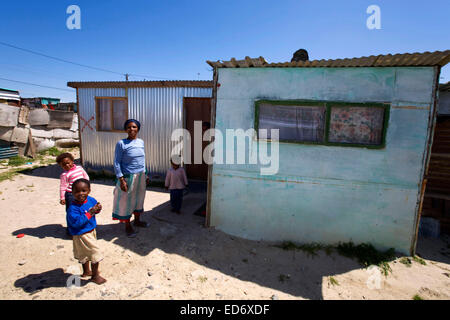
142,84
425,59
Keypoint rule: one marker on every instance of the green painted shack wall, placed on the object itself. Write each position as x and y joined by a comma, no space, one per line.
326,194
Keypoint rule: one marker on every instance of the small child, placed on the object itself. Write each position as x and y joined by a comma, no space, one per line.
176,182
71,173
81,223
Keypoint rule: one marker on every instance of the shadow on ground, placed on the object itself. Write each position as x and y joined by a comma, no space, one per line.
434,249
56,278
292,272
262,263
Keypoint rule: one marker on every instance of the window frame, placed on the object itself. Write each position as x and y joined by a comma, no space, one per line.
112,112
328,105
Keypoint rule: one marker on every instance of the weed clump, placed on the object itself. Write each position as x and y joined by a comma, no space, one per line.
333,281
406,261
367,255
17,161
310,249
419,260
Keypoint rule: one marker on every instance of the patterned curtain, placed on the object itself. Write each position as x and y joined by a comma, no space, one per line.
361,125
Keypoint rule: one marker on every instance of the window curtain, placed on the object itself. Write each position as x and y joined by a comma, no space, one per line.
119,114
104,114
295,123
361,125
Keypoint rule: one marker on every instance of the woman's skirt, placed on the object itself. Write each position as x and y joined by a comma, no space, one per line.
132,201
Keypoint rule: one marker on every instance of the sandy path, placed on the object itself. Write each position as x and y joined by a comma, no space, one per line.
177,258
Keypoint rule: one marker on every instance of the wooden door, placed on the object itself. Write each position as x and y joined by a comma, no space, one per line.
197,109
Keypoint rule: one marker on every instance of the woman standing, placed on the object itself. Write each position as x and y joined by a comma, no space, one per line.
129,167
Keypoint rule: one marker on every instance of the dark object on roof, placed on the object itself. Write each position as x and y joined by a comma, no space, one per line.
142,84
426,59
444,86
300,55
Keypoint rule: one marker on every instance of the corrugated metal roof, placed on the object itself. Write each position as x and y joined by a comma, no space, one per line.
9,90
436,58
7,94
142,84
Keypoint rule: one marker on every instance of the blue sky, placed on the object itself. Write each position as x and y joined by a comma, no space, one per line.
173,39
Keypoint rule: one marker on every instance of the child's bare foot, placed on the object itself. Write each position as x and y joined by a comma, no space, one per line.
86,270
98,279
86,274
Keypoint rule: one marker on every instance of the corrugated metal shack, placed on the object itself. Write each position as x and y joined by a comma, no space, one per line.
338,184
437,196
158,105
10,97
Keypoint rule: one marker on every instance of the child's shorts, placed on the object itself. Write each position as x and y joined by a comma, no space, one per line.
85,247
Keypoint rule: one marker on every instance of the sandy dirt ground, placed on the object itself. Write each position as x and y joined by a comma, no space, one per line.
178,258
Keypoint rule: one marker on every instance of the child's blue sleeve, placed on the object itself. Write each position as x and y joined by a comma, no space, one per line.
76,218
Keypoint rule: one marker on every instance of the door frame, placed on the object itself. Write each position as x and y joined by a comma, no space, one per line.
184,125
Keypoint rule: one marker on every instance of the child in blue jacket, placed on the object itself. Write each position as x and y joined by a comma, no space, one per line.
81,224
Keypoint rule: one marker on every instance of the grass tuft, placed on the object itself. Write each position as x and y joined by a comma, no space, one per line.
406,261
8,175
310,249
419,260
333,281
367,255
17,161
53,151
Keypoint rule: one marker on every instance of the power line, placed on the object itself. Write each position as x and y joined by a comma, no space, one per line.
37,85
74,63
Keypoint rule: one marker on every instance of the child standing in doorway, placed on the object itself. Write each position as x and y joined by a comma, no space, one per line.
176,182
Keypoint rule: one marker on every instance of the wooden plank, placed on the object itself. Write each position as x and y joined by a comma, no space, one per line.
42,132
23,115
210,167
8,115
437,195
60,119
6,133
38,117
31,146
79,129
62,134
20,135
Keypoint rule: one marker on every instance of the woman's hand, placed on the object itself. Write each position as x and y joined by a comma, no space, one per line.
123,184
